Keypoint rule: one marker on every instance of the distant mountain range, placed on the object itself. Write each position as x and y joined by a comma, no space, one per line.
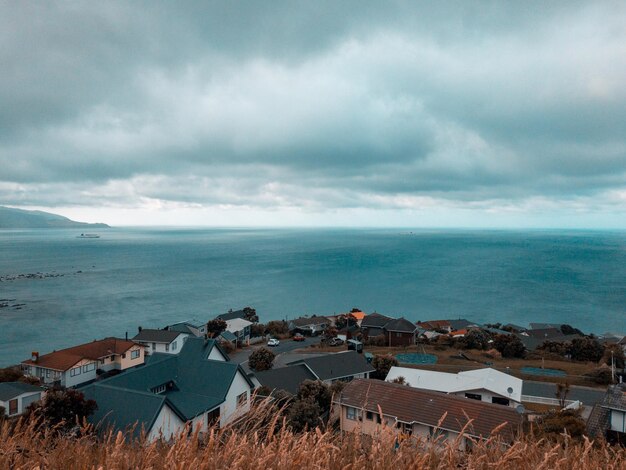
18,218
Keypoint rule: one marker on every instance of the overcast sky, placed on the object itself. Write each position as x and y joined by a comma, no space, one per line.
486,114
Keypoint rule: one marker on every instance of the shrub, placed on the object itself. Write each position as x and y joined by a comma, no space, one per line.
382,364
600,375
261,359
277,328
227,346
509,346
62,409
587,349
10,374
554,424
215,327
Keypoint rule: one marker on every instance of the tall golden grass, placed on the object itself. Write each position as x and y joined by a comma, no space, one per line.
263,441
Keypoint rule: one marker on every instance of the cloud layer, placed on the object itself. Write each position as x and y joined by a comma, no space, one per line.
314,107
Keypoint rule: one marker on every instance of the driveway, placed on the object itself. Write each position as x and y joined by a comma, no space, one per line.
587,395
286,345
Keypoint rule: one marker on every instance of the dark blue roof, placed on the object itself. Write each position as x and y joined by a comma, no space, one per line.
196,384
10,390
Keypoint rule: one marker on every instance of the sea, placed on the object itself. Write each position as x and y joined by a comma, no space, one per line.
58,290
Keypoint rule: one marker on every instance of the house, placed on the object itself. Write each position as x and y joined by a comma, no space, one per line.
545,326
285,378
367,406
400,332
608,419
487,385
161,341
309,325
15,397
191,327
232,315
79,364
240,328
372,325
438,325
197,387
358,316
343,366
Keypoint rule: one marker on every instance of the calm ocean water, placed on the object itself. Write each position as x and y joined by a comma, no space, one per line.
152,277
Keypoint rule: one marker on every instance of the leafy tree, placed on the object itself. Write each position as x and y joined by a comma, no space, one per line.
553,425
10,374
257,329
227,346
345,321
562,390
400,380
509,346
317,391
250,314
63,408
614,353
261,359
304,414
476,339
277,327
215,327
382,364
556,347
330,333
587,349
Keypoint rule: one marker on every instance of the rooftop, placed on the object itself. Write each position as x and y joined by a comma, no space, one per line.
10,390
412,405
487,378
64,359
375,320
401,325
337,365
285,378
156,336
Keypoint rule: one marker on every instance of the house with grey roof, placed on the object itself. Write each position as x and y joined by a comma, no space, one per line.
608,419
197,387
343,366
15,397
286,378
373,324
161,341
400,332
313,325
192,327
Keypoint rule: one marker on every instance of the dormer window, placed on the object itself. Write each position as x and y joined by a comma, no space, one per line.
159,389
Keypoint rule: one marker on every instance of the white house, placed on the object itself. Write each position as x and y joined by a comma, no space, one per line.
488,385
83,363
240,328
197,387
161,341
16,396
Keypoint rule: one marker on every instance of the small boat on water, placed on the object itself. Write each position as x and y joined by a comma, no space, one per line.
88,235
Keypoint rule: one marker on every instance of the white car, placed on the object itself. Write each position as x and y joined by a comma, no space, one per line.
273,342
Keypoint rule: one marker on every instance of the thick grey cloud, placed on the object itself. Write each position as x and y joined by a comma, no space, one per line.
317,106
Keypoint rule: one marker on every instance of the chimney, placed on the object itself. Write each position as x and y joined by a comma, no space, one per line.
34,356
126,336
139,328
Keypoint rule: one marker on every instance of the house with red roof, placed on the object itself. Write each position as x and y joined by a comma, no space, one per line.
83,363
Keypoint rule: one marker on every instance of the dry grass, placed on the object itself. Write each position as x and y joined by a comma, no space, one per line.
262,441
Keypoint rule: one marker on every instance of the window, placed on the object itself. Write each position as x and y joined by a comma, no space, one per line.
89,367
167,347
474,396
159,389
75,371
153,345
47,373
398,335
369,416
351,413
500,401
174,346
13,407
134,354
242,399
123,356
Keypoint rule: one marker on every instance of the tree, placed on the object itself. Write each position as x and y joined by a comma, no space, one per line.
556,347
215,327
317,391
562,390
63,408
382,364
304,414
250,314
613,353
257,329
400,380
476,339
277,327
261,359
509,346
587,349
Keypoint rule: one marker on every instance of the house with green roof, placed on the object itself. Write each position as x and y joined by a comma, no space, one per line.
199,386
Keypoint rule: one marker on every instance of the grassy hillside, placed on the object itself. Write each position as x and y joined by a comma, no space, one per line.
18,218
261,442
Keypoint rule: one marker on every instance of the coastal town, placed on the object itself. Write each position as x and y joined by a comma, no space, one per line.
442,380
